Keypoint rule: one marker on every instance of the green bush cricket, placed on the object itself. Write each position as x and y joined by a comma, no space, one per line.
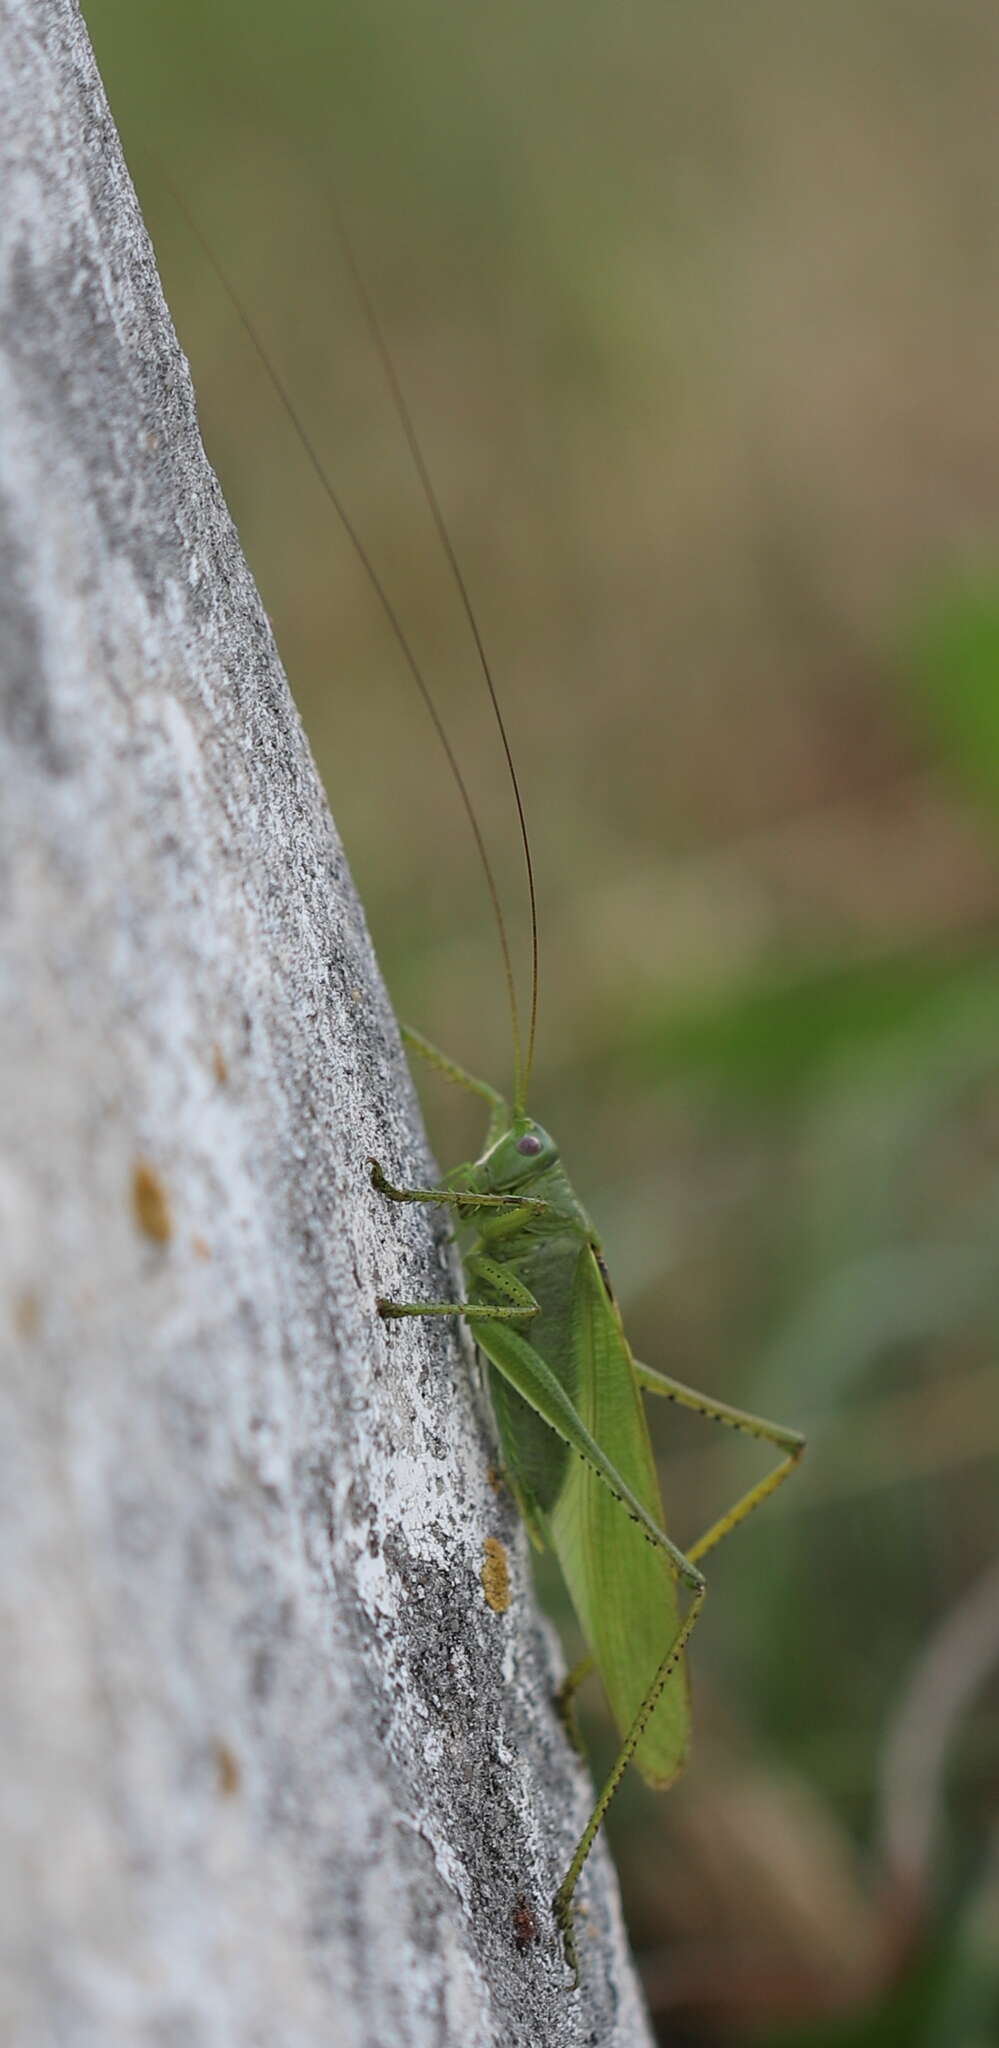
565,1387
566,1392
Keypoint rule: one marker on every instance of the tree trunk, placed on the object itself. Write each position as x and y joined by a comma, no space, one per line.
274,1770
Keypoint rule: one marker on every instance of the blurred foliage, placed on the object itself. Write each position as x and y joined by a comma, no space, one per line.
955,660
696,311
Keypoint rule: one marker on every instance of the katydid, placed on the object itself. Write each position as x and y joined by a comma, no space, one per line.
566,1392
565,1387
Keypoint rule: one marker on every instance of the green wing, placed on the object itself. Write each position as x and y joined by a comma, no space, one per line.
621,1583
622,1588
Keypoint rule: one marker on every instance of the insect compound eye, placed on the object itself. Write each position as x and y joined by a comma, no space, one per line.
529,1144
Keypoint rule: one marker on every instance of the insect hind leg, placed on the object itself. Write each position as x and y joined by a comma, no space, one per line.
744,1505
562,1902
789,1441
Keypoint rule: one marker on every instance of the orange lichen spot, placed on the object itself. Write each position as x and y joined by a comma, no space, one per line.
200,1249
495,1575
27,1314
219,1067
228,1773
494,1478
149,1203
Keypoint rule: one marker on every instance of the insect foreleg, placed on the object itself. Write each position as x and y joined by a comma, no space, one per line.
787,1440
465,1200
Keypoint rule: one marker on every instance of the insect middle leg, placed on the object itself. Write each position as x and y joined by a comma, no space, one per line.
517,1303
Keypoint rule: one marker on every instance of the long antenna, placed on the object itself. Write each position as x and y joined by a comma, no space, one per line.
433,502
519,1071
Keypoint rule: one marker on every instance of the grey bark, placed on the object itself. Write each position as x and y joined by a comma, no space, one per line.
273,1771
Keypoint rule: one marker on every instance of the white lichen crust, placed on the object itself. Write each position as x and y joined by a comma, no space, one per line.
274,1771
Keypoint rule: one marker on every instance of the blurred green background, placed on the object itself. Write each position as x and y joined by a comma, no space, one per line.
697,309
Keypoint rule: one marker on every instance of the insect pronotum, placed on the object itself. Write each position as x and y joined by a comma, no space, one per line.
565,1386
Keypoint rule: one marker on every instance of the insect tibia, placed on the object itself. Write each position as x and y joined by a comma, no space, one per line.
562,1902
562,1911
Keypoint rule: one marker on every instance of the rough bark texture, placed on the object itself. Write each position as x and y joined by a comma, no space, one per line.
273,1770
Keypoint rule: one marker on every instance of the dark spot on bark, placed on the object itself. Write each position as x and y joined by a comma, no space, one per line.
262,1673
25,707
525,1926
